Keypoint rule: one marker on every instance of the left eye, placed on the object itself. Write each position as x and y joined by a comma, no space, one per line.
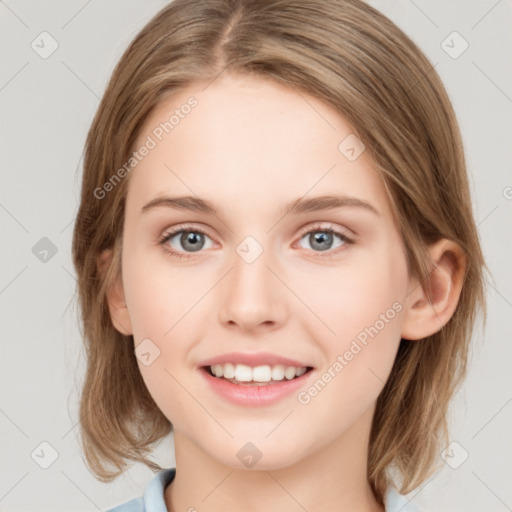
322,239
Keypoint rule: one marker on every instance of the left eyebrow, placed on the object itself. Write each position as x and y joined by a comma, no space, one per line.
299,205
320,203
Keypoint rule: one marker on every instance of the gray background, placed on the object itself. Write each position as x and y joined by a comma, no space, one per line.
47,105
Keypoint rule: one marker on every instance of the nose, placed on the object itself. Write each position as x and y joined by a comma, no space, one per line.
251,296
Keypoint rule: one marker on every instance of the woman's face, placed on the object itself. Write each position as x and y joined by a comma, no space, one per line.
258,279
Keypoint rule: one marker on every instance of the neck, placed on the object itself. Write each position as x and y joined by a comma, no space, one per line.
332,479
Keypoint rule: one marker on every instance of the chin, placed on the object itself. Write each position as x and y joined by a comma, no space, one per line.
255,454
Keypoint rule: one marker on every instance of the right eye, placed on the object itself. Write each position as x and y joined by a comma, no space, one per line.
190,240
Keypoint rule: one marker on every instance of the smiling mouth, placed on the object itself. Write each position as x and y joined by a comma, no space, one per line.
263,375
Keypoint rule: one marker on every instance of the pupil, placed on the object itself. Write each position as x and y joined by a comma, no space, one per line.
321,240
192,240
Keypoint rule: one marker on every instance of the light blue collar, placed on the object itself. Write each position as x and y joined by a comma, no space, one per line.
153,498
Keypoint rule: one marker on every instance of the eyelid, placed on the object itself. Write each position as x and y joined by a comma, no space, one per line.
173,231
320,226
303,231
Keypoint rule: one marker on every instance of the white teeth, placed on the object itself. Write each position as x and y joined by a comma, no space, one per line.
289,372
278,372
301,371
229,370
261,374
264,373
243,373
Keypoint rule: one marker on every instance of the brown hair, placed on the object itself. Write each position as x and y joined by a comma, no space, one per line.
352,57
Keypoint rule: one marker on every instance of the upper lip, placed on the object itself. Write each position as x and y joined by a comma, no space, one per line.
253,359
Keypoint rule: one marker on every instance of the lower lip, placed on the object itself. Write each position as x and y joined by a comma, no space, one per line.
255,395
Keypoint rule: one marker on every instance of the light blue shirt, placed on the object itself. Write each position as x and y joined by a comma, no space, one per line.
153,498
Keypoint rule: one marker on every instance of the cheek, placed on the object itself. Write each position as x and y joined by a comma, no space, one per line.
366,293
160,296
165,308
356,361
362,306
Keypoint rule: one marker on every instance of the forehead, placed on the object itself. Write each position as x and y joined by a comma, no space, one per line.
255,137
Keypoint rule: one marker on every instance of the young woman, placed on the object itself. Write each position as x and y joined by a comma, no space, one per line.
277,260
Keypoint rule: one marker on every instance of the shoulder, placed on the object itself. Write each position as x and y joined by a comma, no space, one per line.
153,497
396,502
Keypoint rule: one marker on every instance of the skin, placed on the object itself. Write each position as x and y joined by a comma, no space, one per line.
249,147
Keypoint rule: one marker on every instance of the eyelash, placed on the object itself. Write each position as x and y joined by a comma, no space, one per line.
168,235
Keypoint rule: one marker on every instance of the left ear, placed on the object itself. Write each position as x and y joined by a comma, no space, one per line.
428,309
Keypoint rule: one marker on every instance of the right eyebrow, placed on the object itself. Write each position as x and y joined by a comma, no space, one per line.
183,203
